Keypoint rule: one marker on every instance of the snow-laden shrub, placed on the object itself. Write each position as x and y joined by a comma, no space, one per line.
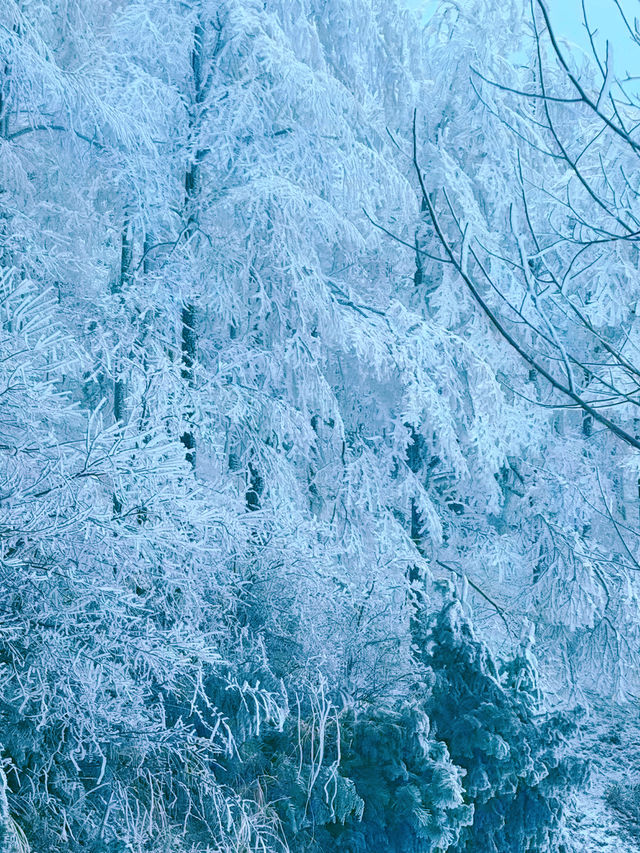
625,799
517,773
469,763
377,781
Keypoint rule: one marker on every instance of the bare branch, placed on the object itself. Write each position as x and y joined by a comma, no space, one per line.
617,430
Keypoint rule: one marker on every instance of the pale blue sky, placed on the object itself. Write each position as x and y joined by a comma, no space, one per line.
603,16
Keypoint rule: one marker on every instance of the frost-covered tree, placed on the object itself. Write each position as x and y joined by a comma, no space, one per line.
517,776
115,613
241,431
519,254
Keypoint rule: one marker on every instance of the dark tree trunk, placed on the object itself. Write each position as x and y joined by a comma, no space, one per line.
415,453
5,98
188,315
189,346
120,284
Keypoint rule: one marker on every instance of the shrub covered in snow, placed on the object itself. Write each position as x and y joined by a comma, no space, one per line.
518,775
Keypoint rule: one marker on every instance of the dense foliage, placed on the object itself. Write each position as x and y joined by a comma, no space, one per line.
250,418
516,774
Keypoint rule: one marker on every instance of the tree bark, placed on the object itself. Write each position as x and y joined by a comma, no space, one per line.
189,347
188,314
120,284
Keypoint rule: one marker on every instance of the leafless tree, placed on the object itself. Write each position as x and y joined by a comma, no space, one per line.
563,242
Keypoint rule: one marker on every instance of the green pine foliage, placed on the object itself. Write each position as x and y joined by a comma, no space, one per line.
386,783
517,774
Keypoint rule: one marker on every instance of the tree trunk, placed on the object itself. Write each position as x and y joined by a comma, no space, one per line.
189,346
5,100
415,453
121,282
188,315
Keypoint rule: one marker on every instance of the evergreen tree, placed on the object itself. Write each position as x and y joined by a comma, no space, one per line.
518,775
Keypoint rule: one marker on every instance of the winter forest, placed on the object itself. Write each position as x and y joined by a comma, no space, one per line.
319,427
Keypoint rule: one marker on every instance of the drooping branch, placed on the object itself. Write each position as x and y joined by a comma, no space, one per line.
16,134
